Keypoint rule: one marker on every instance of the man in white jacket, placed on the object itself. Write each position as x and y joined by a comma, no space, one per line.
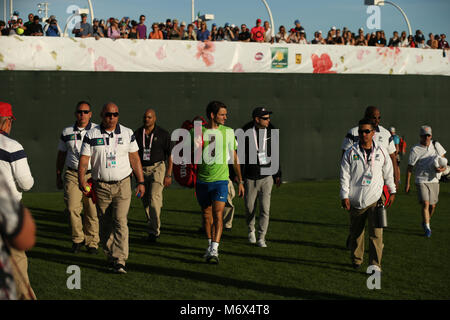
365,168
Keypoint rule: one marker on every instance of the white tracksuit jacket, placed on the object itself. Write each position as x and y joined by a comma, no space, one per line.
353,169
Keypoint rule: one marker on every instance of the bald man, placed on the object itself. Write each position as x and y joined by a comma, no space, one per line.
155,149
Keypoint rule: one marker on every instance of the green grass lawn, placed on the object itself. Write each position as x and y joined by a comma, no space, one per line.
305,258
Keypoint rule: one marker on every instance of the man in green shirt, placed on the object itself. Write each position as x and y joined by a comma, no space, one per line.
217,145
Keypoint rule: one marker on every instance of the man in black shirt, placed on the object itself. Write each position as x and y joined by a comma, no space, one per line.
257,184
155,149
245,34
35,29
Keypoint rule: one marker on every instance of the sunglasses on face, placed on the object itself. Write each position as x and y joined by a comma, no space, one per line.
366,131
264,118
83,111
376,118
111,114
426,135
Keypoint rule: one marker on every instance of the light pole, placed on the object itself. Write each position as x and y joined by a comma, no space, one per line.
382,2
92,11
10,8
270,16
192,12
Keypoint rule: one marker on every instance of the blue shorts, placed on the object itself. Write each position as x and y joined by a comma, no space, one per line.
207,192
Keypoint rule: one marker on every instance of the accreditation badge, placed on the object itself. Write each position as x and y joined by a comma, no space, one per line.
146,155
262,158
111,160
367,179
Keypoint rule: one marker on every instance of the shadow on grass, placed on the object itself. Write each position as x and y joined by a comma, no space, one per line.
289,292
309,223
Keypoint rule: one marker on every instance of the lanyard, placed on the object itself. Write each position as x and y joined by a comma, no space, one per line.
110,144
256,140
143,139
370,158
76,135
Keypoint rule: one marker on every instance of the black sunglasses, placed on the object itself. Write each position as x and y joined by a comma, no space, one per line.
367,131
83,111
377,118
264,118
111,114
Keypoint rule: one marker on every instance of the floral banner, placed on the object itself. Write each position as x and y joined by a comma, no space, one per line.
125,55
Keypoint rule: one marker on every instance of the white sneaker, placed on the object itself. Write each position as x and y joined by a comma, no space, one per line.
207,252
261,244
252,237
213,257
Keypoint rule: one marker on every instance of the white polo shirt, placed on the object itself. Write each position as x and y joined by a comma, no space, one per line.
70,141
109,152
14,167
422,158
382,137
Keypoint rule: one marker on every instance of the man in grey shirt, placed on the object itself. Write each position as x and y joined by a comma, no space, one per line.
83,29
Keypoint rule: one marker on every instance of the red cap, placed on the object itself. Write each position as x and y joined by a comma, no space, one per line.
293,30
6,110
258,21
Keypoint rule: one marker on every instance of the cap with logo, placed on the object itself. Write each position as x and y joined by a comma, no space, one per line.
6,110
392,129
258,20
260,112
424,130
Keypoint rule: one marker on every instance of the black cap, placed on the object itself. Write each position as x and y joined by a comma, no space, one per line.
260,112
84,15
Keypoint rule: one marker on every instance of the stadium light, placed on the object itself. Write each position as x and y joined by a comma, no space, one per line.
382,2
43,8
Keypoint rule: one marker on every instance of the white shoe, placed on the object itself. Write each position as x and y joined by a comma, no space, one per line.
252,237
261,244
213,257
207,252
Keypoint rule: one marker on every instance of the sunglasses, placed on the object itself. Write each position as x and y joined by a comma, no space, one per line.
377,118
83,111
264,118
426,135
367,131
111,114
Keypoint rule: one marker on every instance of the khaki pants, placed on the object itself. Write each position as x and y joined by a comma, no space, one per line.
261,189
228,211
85,229
20,274
357,225
153,198
113,203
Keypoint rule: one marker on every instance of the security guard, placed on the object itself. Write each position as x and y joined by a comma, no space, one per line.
16,173
113,153
155,148
84,230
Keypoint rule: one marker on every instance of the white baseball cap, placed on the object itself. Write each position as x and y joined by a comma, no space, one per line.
392,129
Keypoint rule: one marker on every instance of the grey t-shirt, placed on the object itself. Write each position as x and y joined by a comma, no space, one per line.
87,29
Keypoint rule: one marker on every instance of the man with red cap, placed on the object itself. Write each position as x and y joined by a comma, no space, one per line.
16,173
257,33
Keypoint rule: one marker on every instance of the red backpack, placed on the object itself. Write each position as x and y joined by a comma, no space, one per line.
186,173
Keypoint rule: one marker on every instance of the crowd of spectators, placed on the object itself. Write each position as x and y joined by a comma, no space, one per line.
198,31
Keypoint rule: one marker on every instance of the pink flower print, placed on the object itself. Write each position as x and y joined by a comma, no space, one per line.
360,54
91,51
102,65
11,66
161,53
419,59
204,50
322,64
238,68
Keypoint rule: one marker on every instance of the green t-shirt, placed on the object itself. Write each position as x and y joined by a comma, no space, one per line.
219,145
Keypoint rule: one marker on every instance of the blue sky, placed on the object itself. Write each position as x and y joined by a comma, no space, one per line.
427,15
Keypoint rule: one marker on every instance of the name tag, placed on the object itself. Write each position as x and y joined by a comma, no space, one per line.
146,155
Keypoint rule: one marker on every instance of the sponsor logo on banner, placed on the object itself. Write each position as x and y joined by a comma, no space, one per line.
280,58
259,56
298,58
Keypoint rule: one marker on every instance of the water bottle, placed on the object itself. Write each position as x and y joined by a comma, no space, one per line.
381,216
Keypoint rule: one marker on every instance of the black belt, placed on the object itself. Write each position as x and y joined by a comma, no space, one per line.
75,170
112,182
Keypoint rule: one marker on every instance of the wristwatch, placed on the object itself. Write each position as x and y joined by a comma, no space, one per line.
143,183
